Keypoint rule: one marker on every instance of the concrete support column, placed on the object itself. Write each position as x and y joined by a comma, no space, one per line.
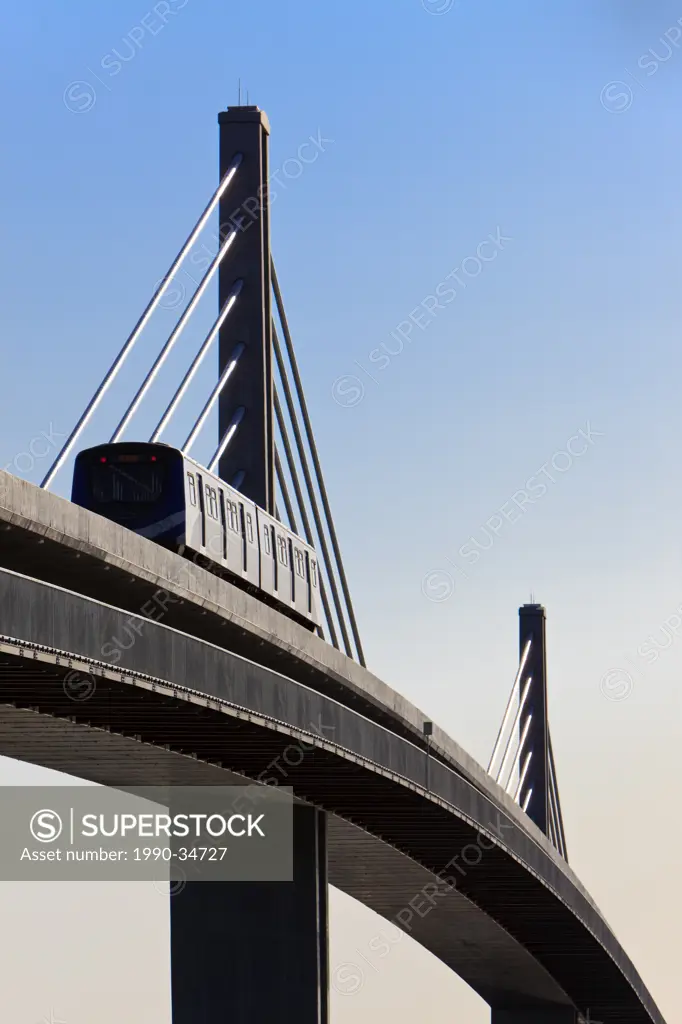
254,953
249,462
536,1015
532,627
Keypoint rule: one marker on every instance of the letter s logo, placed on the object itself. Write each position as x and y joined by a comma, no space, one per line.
46,826
348,391
616,97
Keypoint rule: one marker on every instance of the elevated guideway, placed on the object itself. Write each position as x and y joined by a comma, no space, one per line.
197,697
50,539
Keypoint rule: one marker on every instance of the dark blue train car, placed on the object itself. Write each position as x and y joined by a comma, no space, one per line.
161,494
136,484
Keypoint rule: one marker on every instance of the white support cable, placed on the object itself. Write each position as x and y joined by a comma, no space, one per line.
312,447
140,325
212,399
522,776
512,731
551,829
552,767
527,800
554,818
498,742
554,808
175,334
550,779
229,434
196,363
304,458
519,750
555,792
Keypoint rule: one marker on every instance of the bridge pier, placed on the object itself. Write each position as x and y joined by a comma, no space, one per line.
249,462
536,1015
532,627
253,953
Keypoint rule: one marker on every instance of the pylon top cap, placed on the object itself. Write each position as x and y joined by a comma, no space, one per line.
244,115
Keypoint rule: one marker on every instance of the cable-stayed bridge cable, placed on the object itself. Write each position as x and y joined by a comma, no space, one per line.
551,828
508,709
316,462
512,731
311,492
553,805
196,363
285,492
140,325
519,751
552,819
522,776
304,515
555,786
175,334
229,434
212,399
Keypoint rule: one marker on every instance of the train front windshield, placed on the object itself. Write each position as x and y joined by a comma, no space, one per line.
132,483
127,479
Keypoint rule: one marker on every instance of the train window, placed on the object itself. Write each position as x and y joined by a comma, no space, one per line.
212,502
300,563
282,548
266,538
135,484
313,571
234,516
201,490
192,488
223,527
249,527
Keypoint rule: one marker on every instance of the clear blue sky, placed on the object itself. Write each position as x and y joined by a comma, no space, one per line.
445,123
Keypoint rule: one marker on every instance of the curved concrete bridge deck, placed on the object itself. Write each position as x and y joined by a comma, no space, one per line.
177,699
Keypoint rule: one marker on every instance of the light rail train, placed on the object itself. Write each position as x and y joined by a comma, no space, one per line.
159,493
